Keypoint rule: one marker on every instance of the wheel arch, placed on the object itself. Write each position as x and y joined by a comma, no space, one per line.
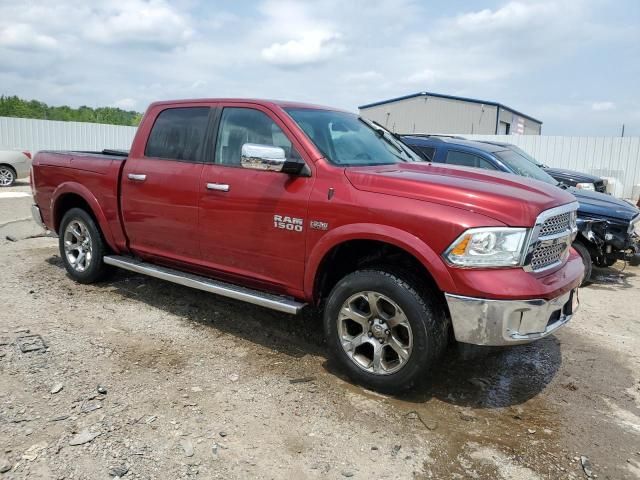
353,246
74,195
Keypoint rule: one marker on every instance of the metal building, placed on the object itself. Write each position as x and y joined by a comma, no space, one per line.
427,112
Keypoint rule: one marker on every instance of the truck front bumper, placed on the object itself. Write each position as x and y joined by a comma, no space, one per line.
508,322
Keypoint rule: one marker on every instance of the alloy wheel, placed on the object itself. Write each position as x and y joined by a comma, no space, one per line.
77,245
375,333
6,177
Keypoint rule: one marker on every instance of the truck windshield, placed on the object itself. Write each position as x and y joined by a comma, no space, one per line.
521,166
348,140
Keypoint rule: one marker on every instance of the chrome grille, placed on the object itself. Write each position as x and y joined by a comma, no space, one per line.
551,238
547,255
555,225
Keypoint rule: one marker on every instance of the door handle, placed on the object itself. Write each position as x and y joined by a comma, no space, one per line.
137,177
219,187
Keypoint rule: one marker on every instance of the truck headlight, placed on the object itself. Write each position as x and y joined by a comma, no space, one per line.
586,186
488,247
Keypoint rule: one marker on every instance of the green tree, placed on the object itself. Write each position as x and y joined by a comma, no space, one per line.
13,106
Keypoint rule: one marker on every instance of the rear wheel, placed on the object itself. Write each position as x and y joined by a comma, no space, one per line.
586,260
387,332
7,176
82,247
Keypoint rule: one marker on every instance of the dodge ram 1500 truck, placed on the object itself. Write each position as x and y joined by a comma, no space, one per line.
284,204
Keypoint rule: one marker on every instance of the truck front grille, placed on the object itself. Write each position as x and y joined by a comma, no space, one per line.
551,238
547,255
555,225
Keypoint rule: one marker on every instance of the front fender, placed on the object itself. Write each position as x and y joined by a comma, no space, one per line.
382,233
83,192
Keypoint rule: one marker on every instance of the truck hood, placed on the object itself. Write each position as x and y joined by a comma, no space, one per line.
595,204
514,201
572,175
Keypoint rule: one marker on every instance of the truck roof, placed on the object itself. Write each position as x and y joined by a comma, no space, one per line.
258,101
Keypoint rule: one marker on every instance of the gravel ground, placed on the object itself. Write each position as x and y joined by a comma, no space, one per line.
142,379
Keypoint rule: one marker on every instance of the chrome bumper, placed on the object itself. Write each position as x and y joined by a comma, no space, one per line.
508,322
37,217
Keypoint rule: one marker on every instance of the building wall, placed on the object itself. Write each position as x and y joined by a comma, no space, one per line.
518,125
426,114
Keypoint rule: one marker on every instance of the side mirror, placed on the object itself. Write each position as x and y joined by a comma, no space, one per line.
262,157
270,158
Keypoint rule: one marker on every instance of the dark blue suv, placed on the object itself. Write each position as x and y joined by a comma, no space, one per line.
609,228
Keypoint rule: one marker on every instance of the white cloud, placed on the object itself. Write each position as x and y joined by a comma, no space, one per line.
126,103
530,54
23,36
152,22
364,77
312,47
603,106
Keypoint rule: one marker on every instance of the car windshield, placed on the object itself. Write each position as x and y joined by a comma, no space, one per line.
524,154
521,166
348,140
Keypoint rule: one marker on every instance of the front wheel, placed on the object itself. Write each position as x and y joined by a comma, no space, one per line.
386,331
82,247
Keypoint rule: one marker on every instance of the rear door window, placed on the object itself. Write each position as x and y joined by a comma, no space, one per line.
178,134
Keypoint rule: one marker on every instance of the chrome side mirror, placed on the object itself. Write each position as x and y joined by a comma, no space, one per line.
262,157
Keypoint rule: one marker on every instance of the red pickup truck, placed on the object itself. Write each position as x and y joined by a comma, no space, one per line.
284,204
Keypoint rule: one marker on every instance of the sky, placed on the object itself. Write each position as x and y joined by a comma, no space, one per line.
574,64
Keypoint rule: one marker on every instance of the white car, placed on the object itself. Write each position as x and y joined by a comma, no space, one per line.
13,164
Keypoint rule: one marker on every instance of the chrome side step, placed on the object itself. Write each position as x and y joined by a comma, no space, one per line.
275,302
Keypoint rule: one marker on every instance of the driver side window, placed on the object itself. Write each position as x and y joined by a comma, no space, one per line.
246,125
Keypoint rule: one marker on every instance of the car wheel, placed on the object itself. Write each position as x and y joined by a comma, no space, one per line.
586,261
7,176
384,329
82,247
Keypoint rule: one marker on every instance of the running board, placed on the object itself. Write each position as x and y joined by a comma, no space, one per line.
274,302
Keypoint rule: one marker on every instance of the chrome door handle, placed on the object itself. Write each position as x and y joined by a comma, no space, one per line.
138,177
220,187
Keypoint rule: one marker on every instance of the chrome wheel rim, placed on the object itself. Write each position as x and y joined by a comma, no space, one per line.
375,333
77,245
6,177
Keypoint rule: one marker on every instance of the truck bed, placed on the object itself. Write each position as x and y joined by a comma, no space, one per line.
90,175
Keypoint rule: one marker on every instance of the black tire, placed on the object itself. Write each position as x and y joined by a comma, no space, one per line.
420,306
586,261
8,174
96,268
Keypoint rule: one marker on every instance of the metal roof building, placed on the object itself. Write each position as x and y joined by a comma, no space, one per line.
427,112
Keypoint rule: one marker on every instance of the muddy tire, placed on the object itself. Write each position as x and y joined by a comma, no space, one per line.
82,247
386,330
586,261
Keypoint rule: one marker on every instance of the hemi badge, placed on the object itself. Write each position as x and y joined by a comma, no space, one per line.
318,225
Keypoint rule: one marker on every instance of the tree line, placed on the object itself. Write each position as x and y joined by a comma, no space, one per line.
13,106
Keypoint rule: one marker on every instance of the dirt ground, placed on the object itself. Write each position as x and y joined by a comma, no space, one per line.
197,386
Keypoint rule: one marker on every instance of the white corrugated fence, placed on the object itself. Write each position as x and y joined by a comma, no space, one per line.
34,135
615,158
